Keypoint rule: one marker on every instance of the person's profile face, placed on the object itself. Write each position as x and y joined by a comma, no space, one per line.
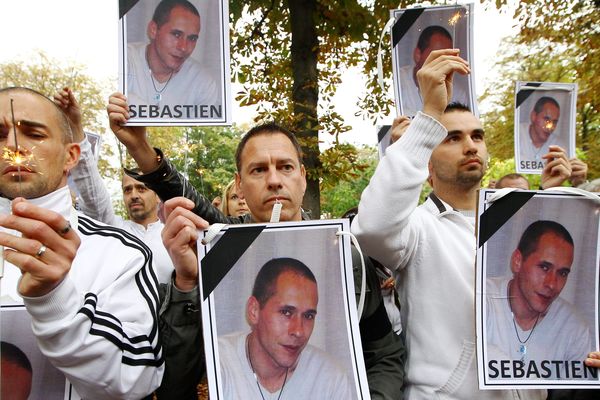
270,171
543,274
15,382
175,40
544,122
285,323
44,156
461,159
437,41
141,202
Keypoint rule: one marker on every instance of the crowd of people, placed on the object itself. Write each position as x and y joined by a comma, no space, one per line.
115,302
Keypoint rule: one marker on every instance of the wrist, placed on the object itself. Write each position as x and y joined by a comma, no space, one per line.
185,285
146,157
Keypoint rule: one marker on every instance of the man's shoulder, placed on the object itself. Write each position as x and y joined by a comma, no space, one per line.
317,358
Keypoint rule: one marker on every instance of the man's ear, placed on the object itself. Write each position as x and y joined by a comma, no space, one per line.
416,55
238,186
252,311
151,30
532,115
72,152
516,260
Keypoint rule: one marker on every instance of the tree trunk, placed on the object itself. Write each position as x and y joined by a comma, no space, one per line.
305,93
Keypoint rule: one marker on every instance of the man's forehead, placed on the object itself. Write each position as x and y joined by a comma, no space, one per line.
463,121
183,14
550,108
129,181
28,106
273,144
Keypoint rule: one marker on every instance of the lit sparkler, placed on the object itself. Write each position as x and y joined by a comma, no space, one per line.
17,157
549,126
453,21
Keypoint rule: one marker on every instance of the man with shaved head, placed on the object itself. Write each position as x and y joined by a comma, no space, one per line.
89,288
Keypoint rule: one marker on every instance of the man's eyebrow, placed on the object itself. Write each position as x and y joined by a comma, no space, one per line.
31,124
459,132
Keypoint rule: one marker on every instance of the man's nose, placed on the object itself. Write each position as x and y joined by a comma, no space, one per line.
273,179
469,146
183,45
550,280
296,326
11,141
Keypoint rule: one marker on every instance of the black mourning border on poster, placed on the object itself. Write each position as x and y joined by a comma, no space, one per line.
126,6
22,306
214,345
506,217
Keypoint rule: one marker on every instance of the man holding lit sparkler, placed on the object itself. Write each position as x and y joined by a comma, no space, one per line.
66,268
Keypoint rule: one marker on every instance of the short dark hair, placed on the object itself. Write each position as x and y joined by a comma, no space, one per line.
510,176
67,133
456,106
264,129
530,239
264,284
15,355
164,8
539,105
425,36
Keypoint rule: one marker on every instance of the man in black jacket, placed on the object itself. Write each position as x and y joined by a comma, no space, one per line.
270,171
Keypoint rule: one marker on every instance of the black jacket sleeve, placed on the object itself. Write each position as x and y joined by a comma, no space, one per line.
167,182
181,334
383,351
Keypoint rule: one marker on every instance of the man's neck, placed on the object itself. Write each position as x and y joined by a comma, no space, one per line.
158,71
522,314
458,197
271,376
146,221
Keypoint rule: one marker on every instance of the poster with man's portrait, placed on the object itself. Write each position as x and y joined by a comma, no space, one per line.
537,289
416,32
279,313
174,62
25,372
545,114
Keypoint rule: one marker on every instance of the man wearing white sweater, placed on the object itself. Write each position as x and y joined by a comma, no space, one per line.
431,248
89,288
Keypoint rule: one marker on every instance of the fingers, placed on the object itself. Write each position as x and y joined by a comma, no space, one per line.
118,110
435,79
579,171
44,252
61,98
43,225
184,205
593,359
399,126
179,236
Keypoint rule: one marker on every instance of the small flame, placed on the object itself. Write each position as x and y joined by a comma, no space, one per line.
549,125
454,19
17,158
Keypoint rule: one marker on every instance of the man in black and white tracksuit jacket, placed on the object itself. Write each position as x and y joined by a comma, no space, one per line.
89,288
